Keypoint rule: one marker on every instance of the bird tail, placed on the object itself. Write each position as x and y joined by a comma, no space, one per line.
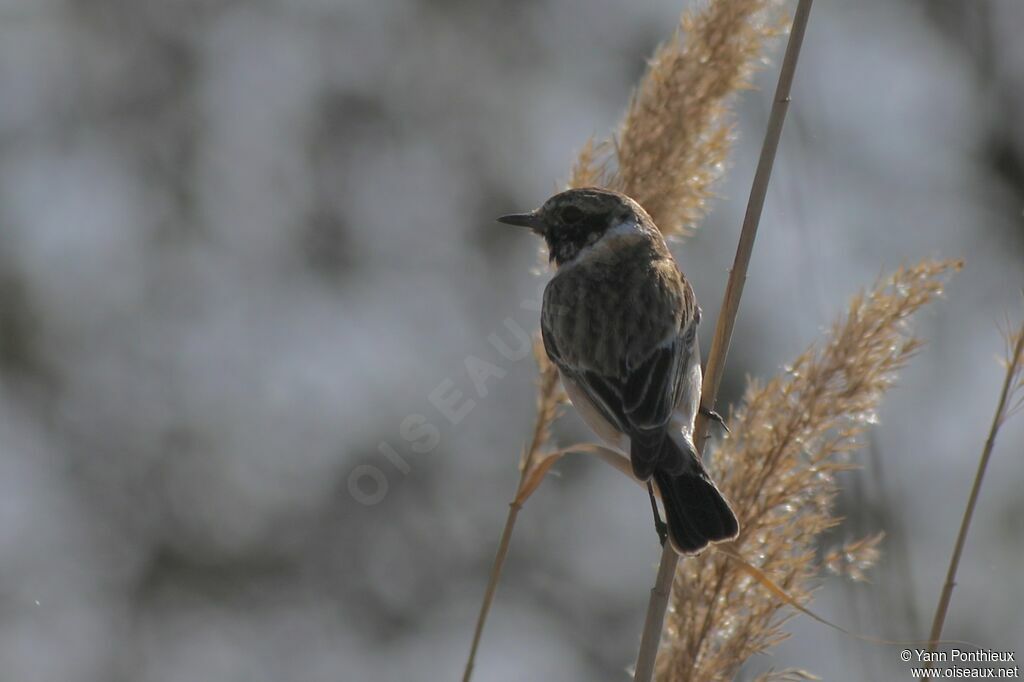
696,512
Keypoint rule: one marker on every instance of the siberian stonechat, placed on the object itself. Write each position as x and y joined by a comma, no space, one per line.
619,320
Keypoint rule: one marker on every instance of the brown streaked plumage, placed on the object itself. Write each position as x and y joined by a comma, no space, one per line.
619,320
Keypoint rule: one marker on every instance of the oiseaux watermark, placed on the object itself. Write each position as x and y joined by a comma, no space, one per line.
452,400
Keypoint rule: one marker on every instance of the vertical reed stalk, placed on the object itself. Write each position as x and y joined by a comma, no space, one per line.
492,586
654,622
1013,368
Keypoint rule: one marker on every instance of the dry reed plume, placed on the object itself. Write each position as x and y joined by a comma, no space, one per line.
790,437
674,141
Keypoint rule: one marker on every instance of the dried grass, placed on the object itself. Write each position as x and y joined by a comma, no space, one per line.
675,139
791,436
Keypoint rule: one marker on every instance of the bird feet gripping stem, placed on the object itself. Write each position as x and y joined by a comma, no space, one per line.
715,417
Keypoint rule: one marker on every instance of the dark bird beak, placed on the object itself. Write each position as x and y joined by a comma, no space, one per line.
530,220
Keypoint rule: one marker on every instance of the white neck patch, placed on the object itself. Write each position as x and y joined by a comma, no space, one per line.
627,226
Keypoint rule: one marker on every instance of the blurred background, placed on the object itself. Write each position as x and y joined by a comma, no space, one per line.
248,261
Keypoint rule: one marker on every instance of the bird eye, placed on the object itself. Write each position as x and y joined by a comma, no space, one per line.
571,214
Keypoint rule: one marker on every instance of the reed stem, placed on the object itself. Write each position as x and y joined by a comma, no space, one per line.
660,593
492,586
1012,367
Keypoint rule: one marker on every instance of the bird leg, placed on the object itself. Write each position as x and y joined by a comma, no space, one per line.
659,525
715,417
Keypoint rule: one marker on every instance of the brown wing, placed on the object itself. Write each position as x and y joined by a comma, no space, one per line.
641,402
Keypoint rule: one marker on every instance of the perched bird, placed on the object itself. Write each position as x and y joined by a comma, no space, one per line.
619,320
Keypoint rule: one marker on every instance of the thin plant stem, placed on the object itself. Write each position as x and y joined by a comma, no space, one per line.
492,586
545,414
660,593
1012,367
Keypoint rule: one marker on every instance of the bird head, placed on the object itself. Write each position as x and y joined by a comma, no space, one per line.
574,219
